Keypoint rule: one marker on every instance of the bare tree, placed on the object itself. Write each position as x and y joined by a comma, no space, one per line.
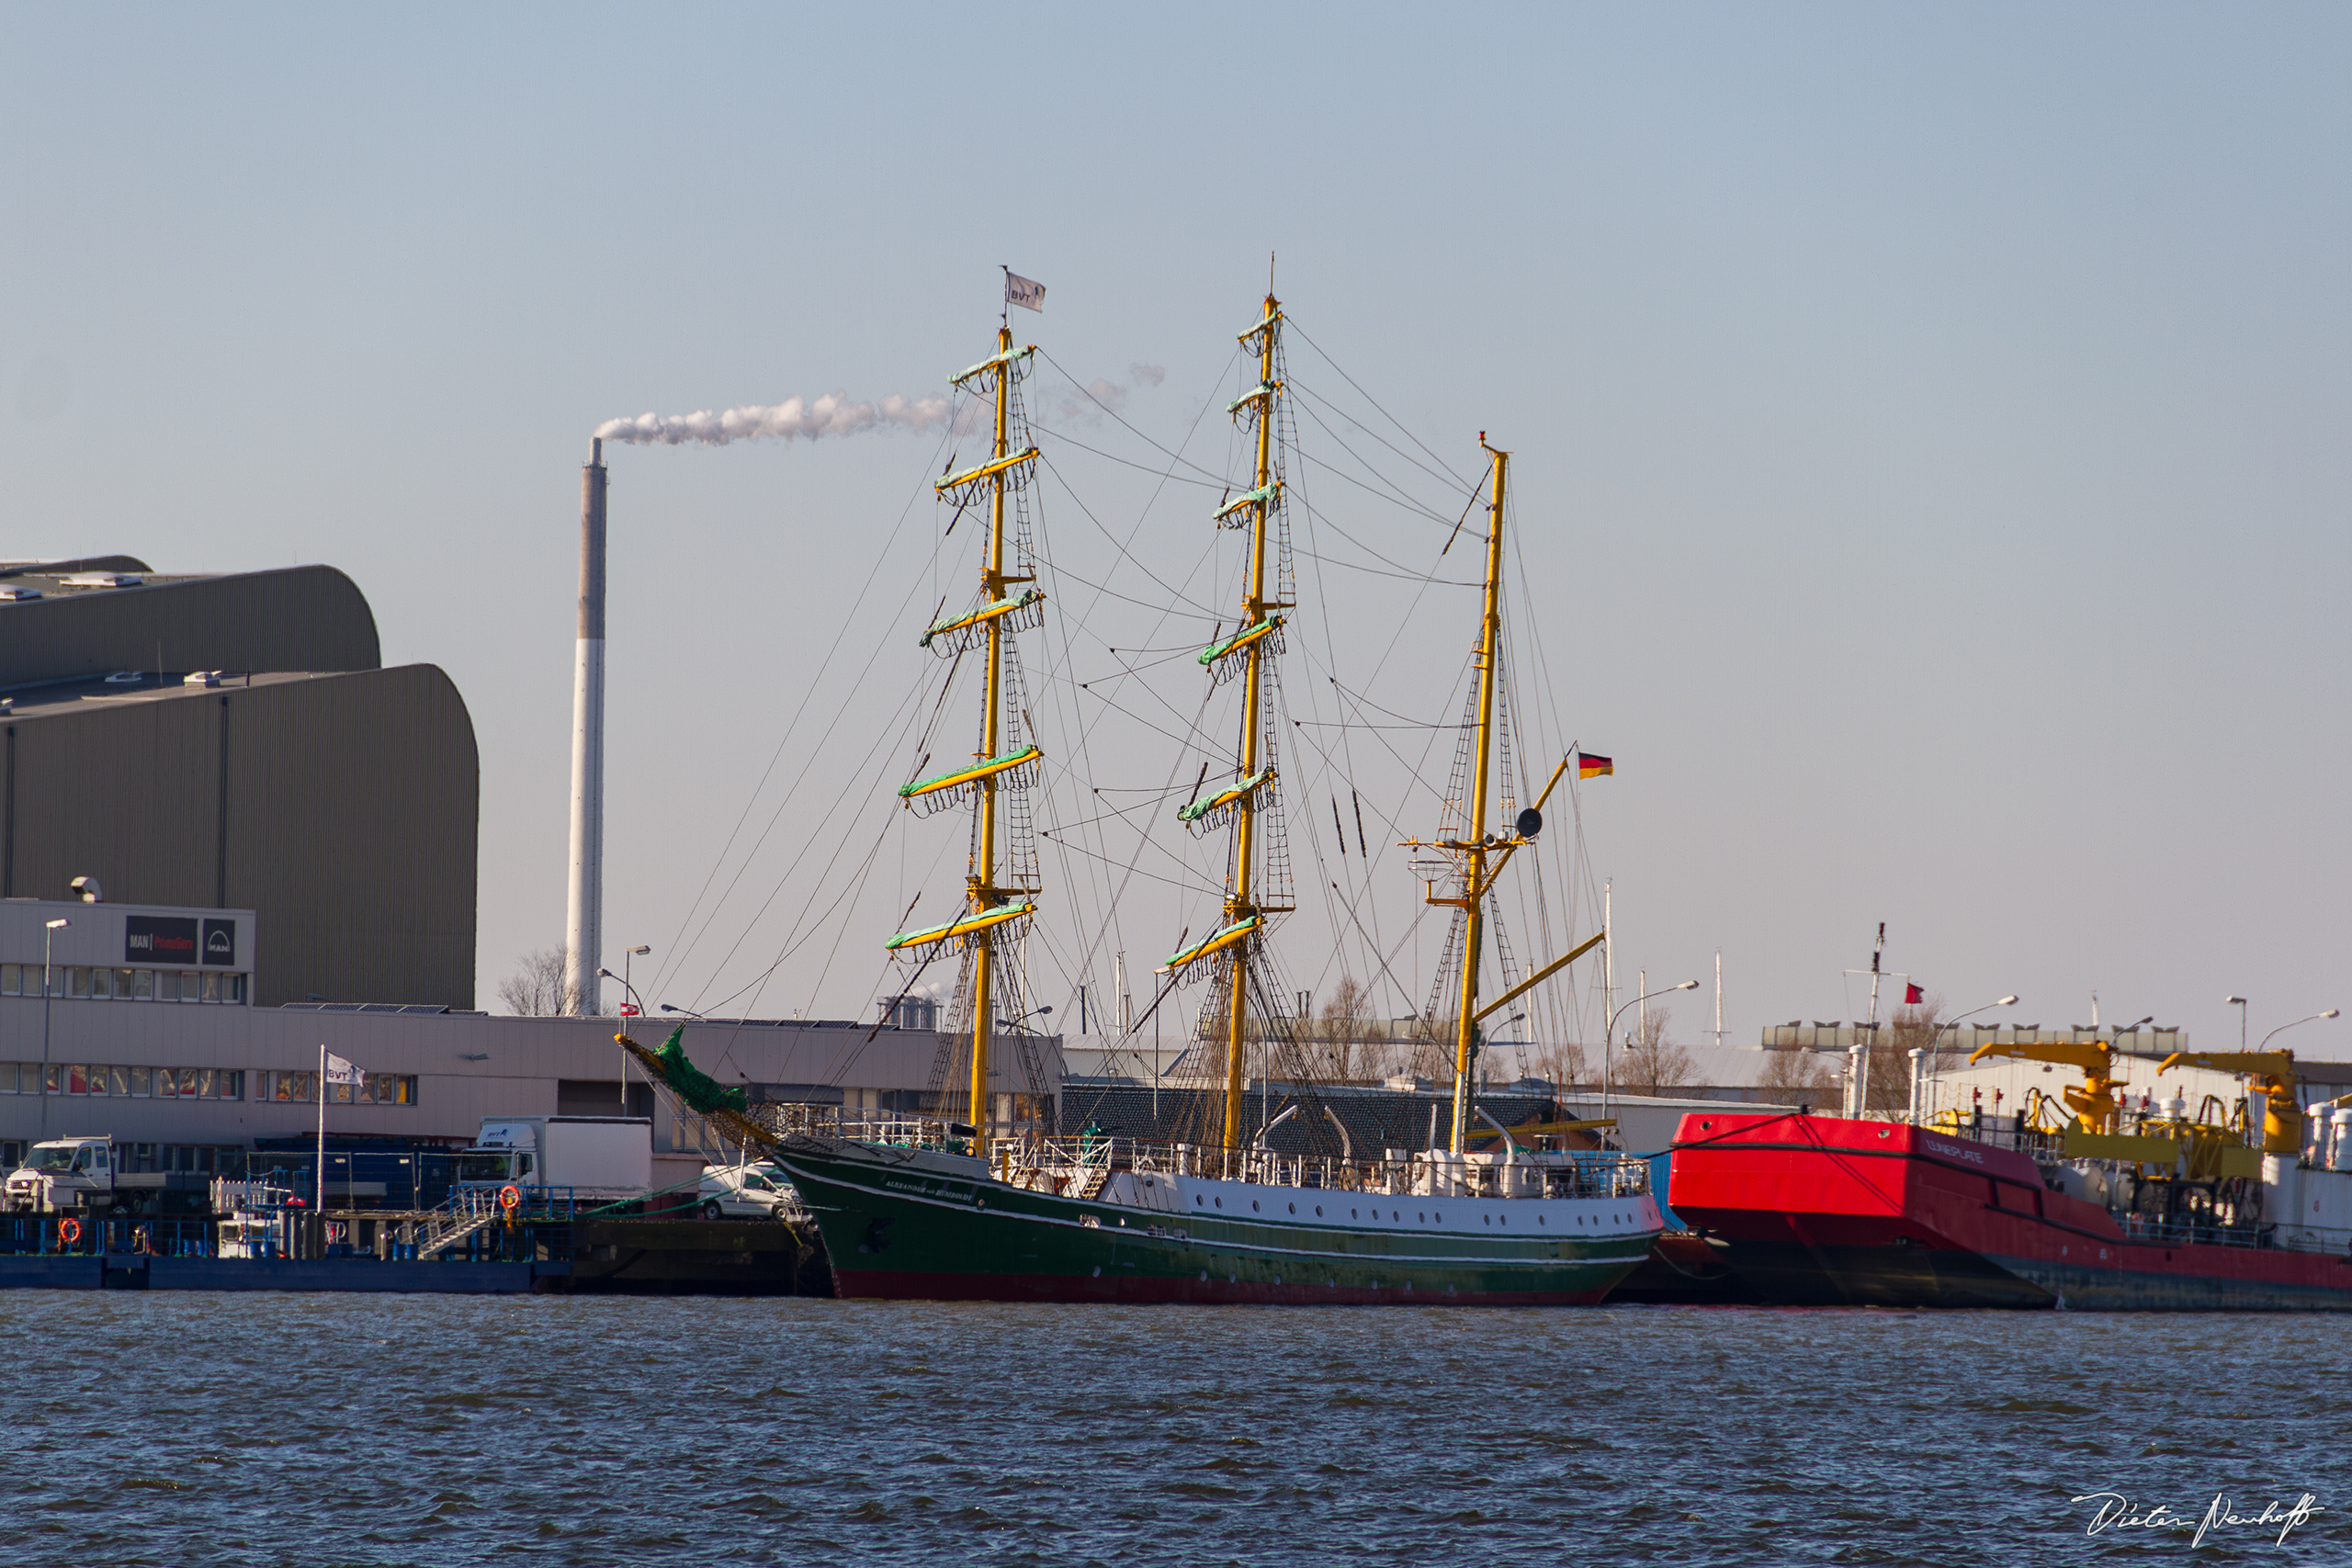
1339,1042
1564,1064
1799,1077
536,988
1916,1027
1654,1064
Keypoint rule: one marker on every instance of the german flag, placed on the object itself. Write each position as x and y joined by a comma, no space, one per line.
1591,767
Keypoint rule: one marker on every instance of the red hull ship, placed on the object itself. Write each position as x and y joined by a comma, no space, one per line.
1819,1211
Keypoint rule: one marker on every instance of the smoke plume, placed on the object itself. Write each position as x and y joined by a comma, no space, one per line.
832,414
1086,406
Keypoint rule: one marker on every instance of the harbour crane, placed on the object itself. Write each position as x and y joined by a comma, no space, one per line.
2270,1073
2092,1100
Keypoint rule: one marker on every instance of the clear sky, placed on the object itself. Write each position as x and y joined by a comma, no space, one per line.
1931,423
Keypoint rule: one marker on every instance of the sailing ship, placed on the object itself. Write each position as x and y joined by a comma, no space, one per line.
979,1208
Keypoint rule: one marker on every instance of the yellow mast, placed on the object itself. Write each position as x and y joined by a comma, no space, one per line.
982,891
1473,840
1254,609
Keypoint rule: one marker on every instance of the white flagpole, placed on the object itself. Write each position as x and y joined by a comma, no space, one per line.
318,1186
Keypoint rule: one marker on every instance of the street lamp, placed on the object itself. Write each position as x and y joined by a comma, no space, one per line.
684,1012
2239,1003
2284,1027
47,992
634,1007
1953,1022
1609,1035
1015,1022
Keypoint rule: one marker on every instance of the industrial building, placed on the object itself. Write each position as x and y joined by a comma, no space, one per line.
171,1057
233,742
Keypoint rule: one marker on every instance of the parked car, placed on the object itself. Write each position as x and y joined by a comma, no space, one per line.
756,1190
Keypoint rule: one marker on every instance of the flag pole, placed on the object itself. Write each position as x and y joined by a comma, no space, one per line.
319,1181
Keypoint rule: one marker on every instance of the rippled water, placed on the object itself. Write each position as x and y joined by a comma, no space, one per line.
318,1429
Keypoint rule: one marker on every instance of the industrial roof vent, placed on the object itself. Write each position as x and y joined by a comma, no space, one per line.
102,579
19,593
89,890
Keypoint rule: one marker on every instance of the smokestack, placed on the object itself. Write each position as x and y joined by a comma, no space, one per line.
584,912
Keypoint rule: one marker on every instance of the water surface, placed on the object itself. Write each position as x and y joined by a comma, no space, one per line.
268,1429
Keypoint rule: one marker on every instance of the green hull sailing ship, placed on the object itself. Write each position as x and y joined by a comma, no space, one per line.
974,1209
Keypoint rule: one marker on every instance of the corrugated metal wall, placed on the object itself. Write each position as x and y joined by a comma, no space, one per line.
348,823
304,617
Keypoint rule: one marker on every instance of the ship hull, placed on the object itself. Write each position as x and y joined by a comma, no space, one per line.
905,1224
1817,1211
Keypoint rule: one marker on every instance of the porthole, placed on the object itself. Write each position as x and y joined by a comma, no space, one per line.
1542,1221
1395,1214
1294,1208
1441,1216
1319,1210
1422,1217
1487,1219
1351,1213
1220,1202
1254,1206
1503,1220
1197,1200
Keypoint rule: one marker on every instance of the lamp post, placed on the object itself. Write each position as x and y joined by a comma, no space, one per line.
635,1007
47,993
1953,1022
1609,1035
683,1012
2314,1018
2239,1003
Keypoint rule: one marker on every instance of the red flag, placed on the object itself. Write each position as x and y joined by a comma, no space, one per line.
1912,994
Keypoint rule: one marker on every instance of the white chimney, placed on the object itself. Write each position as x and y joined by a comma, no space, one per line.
584,911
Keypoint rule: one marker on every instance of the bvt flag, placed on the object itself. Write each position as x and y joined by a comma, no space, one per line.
1025,292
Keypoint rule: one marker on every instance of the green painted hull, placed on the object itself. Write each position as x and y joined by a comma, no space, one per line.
902,1224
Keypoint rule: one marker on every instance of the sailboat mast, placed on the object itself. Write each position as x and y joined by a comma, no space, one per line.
982,892
1491,661
1254,608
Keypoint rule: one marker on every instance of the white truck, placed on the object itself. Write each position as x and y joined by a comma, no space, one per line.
73,1173
756,1190
596,1156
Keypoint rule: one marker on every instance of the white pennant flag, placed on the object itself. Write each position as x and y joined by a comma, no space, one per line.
1025,292
341,1071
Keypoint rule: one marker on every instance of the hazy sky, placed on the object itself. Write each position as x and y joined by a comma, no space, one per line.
1931,476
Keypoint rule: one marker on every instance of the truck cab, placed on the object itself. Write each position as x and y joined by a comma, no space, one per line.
62,1173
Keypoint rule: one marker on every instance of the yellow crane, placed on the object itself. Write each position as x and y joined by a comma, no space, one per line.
2093,1099
2270,1073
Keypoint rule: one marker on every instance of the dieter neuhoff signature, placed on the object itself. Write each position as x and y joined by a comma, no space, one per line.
2112,1511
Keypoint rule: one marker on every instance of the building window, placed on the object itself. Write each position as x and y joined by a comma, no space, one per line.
124,985
302,1088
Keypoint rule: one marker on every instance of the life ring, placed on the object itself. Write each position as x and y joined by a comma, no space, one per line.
510,1197
68,1231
